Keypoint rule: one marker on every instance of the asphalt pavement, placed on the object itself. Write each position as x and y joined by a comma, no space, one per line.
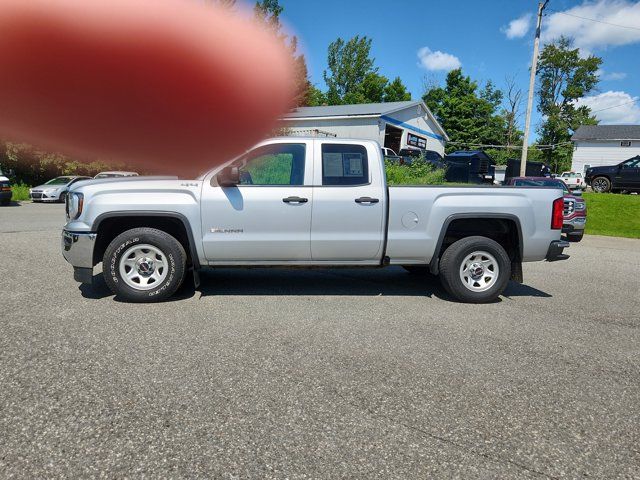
274,373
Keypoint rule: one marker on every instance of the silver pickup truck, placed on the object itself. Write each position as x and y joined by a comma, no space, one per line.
306,202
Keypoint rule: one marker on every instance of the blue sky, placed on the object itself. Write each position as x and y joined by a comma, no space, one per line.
480,37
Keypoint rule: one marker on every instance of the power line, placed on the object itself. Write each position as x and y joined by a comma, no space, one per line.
594,20
510,147
615,106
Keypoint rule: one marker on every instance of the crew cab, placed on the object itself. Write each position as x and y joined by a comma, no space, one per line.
306,202
624,177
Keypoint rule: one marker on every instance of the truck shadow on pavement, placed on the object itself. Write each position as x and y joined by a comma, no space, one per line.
392,281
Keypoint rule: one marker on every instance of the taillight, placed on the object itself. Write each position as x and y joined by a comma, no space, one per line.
556,214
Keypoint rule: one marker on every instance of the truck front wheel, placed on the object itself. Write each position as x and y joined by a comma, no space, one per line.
144,265
475,270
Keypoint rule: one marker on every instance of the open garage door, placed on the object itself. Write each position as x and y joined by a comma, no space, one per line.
392,137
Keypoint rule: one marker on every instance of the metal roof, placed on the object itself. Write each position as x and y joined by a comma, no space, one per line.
360,110
351,110
607,132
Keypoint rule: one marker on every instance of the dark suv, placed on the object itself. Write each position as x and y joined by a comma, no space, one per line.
616,178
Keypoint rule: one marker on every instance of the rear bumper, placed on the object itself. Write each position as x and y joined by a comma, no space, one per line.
5,194
555,250
77,249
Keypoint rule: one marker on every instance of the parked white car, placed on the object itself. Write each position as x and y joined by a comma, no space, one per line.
55,190
574,180
306,202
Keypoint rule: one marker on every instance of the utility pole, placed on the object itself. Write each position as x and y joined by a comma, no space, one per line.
532,81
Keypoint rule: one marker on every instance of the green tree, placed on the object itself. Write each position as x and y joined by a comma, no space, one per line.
268,12
315,97
396,91
348,63
563,78
371,90
469,116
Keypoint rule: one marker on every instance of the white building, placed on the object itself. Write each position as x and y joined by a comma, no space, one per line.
394,125
600,145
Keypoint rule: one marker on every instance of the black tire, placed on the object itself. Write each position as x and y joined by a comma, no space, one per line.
601,185
171,254
452,260
5,202
62,197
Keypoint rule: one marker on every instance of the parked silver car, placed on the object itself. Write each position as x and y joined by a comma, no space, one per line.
55,190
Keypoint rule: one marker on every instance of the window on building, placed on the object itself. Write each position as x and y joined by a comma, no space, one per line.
344,165
416,141
276,164
625,143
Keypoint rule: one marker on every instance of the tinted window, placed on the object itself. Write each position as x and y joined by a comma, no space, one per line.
278,164
344,165
633,163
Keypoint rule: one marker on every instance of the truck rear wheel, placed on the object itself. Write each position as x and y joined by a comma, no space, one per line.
475,270
144,265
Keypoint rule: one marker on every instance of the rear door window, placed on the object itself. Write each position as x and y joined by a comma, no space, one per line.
344,164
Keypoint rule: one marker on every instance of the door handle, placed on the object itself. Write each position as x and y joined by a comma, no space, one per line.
295,200
367,200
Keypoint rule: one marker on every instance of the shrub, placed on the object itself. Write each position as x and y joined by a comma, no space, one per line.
419,172
20,192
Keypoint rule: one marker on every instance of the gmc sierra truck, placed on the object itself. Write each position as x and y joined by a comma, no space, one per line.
306,202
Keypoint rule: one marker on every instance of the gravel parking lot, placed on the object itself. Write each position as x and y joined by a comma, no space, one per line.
272,373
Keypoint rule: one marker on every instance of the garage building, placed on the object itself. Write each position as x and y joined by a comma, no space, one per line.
394,125
602,145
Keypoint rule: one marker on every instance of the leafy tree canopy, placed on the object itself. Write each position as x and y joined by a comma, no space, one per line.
467,114
352,76
563,78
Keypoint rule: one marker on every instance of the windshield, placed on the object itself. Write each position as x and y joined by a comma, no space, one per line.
59,181
526,182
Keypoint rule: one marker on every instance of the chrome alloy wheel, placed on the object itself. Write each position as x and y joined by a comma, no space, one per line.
479,271
143,267
600,185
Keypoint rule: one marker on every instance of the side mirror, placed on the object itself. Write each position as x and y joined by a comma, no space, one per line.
576,193
229,177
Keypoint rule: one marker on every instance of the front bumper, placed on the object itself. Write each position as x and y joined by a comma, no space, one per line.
575,224
77,249
5,194
44,197
555,250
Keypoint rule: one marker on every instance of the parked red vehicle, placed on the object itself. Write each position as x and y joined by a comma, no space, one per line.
575,208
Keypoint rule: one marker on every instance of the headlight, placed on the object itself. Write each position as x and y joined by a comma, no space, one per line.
74,205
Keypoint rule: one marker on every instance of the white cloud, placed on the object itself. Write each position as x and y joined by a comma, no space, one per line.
518,27
620,107
604,75
614,76
437,60
589,35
